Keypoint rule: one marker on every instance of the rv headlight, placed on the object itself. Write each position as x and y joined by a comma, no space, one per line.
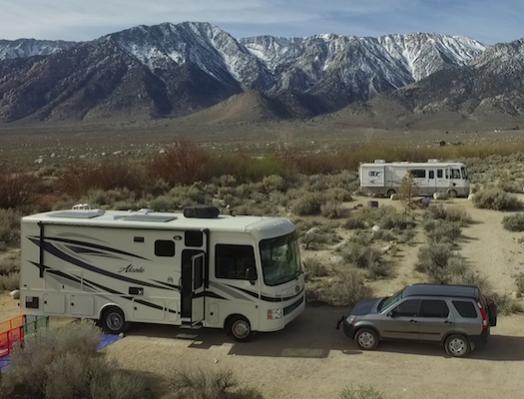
274,314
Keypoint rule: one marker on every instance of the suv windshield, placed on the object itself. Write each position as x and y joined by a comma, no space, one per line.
280,259
387,302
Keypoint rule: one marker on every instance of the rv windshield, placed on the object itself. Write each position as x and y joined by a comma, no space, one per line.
280,259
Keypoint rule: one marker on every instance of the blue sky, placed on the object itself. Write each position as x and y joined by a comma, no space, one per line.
489,21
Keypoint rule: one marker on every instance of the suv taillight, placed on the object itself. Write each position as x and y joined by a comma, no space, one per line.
484,314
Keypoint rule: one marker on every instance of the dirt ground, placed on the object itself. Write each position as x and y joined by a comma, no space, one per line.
311,359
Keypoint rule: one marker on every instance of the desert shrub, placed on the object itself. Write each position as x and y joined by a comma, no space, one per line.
361,393
200,384
386,217
433,260
316,268
506,305
449,213
519,282
63,363
345,288
366,257
274,183
319,237
514,222
332,210
182,163
497,200
10,263
10,282
9,227
354,223
442,230
339,194
16,188
308,204
79,178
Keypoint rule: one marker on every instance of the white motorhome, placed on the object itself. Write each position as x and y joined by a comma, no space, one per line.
240,273
381,178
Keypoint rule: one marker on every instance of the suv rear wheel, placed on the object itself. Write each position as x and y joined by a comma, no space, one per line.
457,345
366,339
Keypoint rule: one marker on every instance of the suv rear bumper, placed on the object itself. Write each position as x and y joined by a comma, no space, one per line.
349,330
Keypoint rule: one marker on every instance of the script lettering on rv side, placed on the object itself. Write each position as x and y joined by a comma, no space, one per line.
131,269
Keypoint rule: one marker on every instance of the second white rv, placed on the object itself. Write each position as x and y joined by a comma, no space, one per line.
203,269
381,178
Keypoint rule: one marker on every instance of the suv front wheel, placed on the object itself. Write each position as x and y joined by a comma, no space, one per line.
366,339
457,345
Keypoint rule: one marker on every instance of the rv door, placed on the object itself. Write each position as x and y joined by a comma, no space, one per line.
198,279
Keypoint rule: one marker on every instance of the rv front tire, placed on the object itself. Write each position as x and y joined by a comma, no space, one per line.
113,320
239,328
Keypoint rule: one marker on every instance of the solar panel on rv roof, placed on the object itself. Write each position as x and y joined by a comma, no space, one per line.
78,214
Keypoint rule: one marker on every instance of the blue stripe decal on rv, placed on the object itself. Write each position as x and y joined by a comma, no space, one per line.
53,250
109,290
90,245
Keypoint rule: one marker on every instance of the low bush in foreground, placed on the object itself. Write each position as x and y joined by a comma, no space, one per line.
519,282
439,231
497,200
361,392
209,384
10,282
64,363
367,257
514,222
449,213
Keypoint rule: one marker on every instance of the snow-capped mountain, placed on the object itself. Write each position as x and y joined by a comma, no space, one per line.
206,46
170,70
23,48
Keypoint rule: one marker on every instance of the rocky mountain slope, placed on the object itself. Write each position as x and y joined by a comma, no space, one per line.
170,70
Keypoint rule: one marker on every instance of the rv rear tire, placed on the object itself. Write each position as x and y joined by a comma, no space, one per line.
239,328
113,320
452,194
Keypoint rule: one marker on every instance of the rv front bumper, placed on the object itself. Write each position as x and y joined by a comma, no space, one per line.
278,317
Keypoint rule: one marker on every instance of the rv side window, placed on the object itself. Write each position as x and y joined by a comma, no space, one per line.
464,174
431,174
418,173
194,239
439,173
165,248
373,173
455,173
235,262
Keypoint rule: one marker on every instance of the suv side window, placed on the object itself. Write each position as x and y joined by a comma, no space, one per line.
434,308
466,309
409,308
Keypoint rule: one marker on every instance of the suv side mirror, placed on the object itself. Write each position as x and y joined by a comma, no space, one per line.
392,314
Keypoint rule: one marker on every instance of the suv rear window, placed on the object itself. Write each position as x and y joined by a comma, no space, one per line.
466,309
434,308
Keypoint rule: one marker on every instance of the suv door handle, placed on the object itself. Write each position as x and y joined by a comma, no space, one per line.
413,321
448,322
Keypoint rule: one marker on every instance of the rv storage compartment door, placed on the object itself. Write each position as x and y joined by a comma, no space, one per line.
54,303
82,305
197,311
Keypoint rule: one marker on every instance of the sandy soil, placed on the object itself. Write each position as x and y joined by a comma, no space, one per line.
490,249
310,359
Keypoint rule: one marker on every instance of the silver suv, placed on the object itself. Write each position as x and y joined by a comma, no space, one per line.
457,316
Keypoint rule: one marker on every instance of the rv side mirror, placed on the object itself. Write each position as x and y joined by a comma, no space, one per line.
251,275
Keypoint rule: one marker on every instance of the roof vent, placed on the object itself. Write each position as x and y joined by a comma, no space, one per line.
380,161
201,212
433,160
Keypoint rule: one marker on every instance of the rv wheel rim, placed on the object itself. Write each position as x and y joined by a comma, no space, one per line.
114,321
240,329
457,346
366,339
